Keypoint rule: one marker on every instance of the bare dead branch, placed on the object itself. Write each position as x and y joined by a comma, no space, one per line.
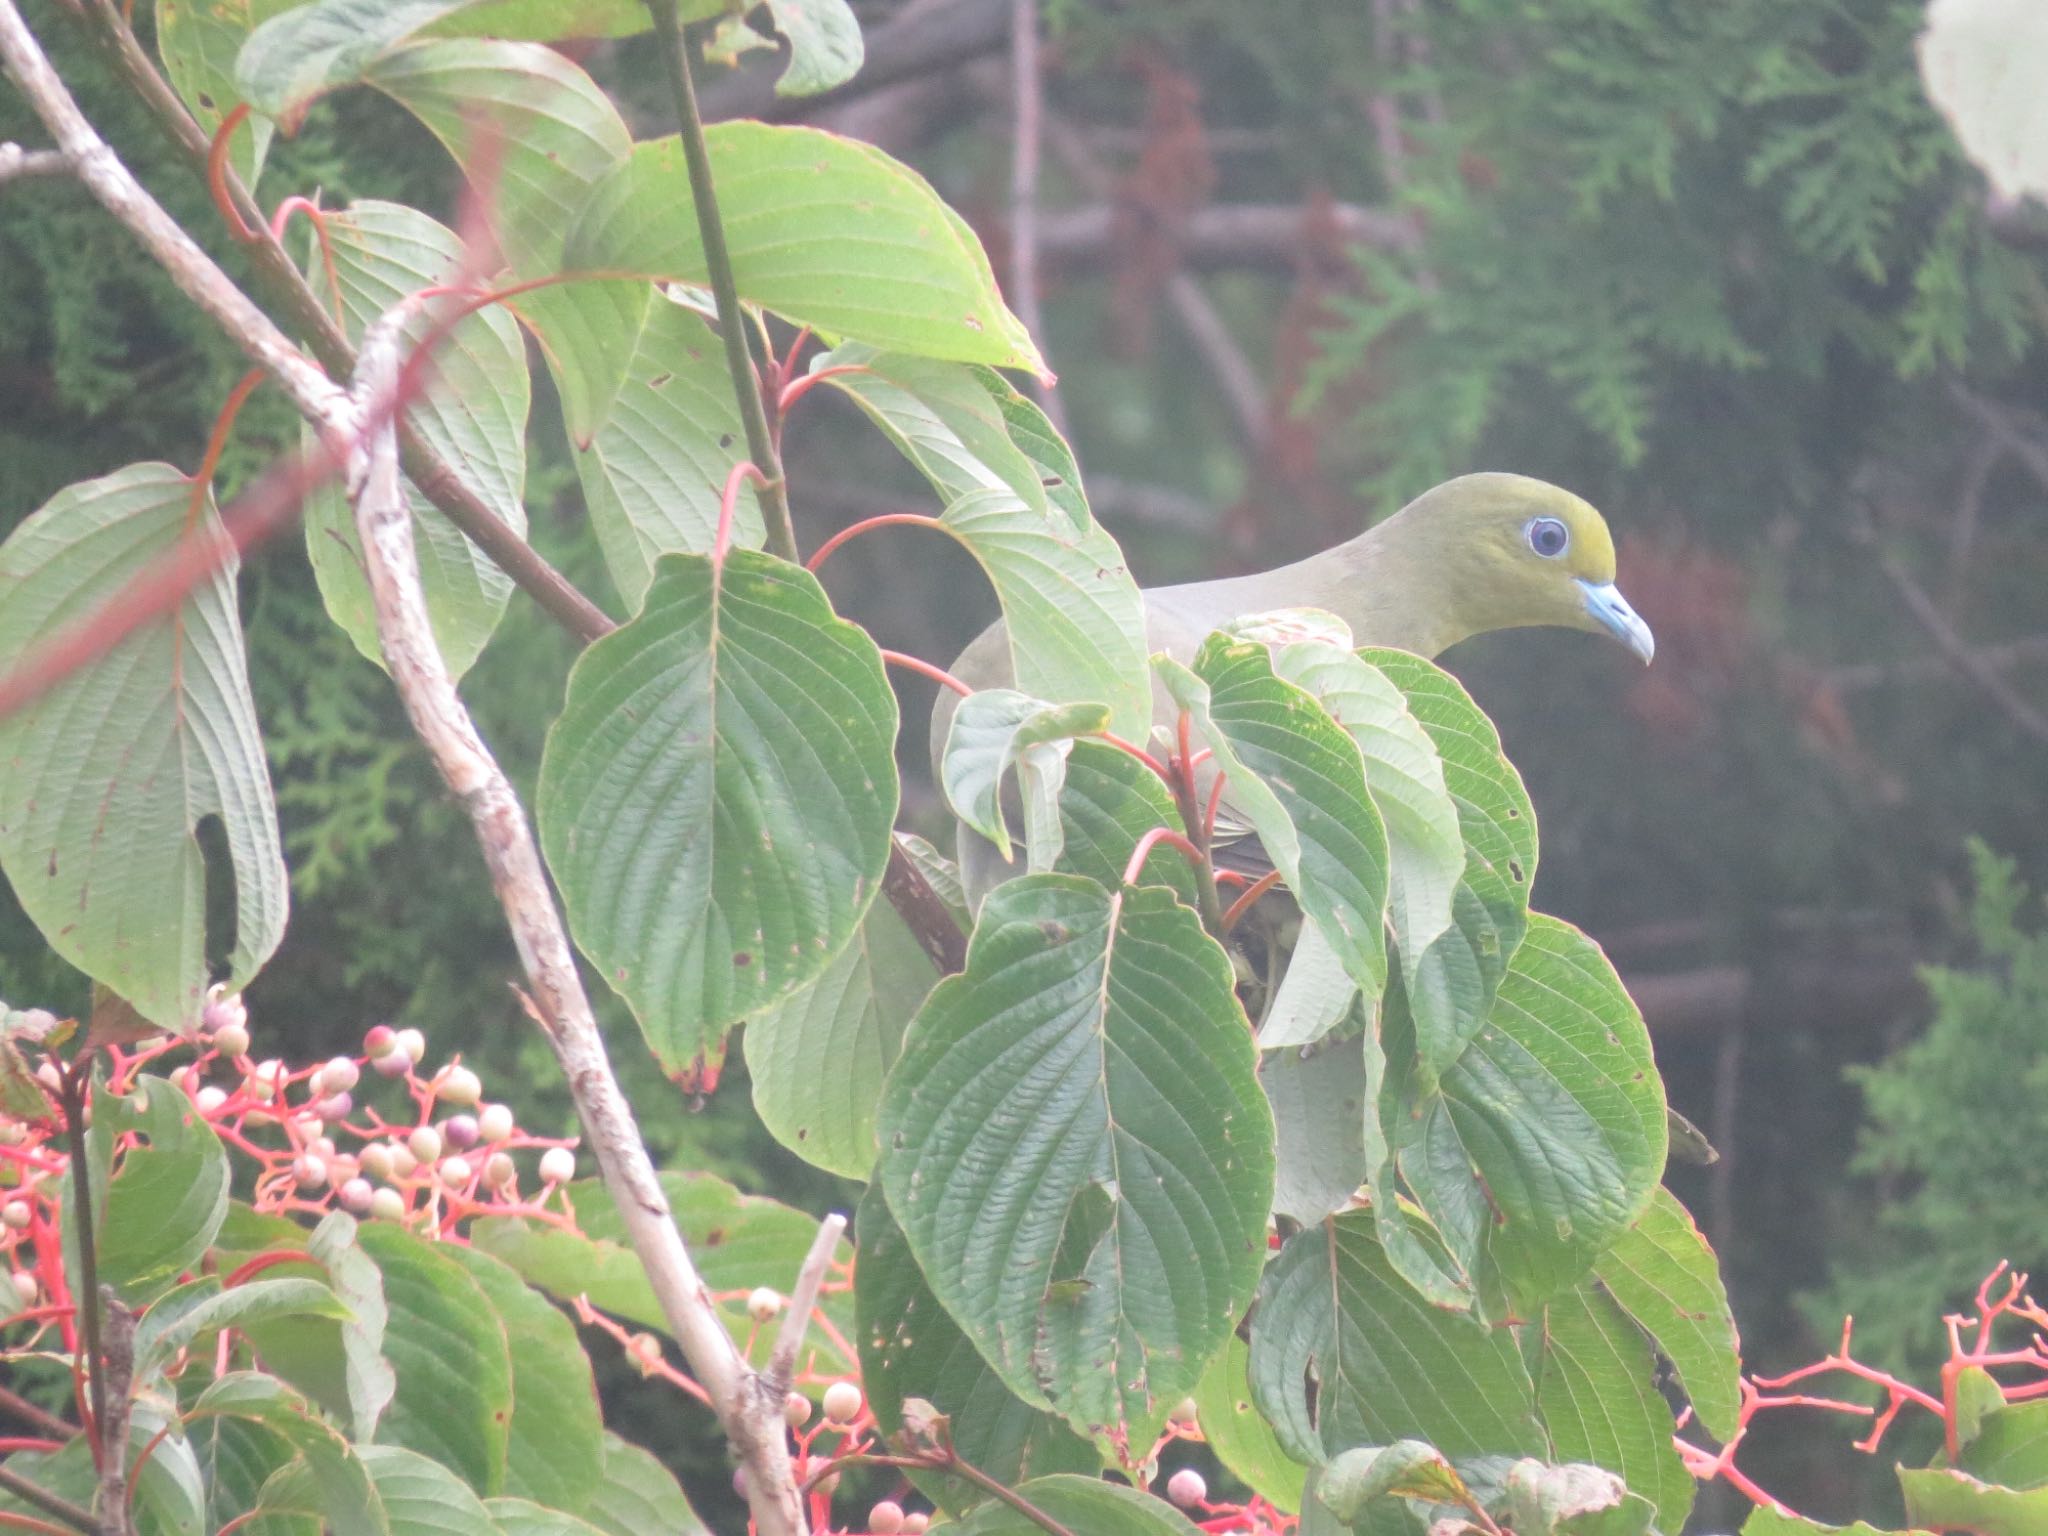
1275,236
803,1299
750,1414
1858,676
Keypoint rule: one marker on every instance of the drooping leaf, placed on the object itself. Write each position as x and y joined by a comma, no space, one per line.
1110,801
962,425
638,1494
533,133
106,778
448,1348
824,44
339,1485
716,796
1546,1140
1426,850
168,1194
1095,1242
1239,1434
367,1376
999,730
818,1059
1080,1504
1665,1277
1316,996
653,473
1573,1499
1407,1469
1596,1391
910,1347
1345,1353
198,40
1073,619
824,231
201,1307
1298,778
738,1241
1320,1101
295,58
555,1444
472,413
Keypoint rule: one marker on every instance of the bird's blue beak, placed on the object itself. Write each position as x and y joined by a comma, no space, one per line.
1605,602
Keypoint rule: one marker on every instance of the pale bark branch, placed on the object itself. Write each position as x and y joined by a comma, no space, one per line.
750,1414
18,164
803,1299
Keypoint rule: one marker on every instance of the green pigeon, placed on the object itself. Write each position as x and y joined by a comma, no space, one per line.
1473,555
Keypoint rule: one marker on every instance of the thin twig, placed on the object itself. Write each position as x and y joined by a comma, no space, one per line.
86,1295
751,1417
790,1341
49,1503
1954,649
18,164
1873,674
1027,106
36,1417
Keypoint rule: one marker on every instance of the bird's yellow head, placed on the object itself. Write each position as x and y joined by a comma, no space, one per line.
1515,552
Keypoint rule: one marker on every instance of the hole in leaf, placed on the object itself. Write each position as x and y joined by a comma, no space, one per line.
211,834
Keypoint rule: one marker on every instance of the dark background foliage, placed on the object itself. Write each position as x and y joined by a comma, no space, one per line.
1719,268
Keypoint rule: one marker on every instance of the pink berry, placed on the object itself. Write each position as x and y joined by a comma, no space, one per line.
886,1518
459,1085
460,1131
232,1041
376,1159
413,1043
558,1165
916,1523
425,1143
339,1075
336,1106
843,1403
739,1481
358,1195
393,1063
500,1170
26,1287
378,1041
1187,1488
309,1171
387,1205
210,1100
796,1410
455,1171
763,1304
224,1011
494,1122
403,1163
16,1215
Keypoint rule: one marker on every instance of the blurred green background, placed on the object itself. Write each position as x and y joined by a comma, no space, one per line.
1719,268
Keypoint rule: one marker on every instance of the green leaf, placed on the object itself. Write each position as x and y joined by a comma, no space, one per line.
818,1059
292,60
555,1446
105,779
341,1493
1316,996
2010,1446
1109,802
534,134
910,1347
201,1307
1768,1522
549,21
639,1495
1597,1394
1080,1504
170,1498
654,472
1490,910
1296,776
1425,847
824,45
1040,1151
448,1348
1320,1100
168,1196
1073,620
523,1517
954,421
1546,1140
1976,1394
198,41
824,231
716,797
368,1380
739,1242
1239,1434
472,413
1345,1353
1573,1500
999,729
1407,1469
422,1497
940,873
1665,1277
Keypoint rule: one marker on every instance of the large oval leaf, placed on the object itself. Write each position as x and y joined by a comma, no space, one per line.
1239,1434
818,1058
639,1495
910,1347
472,413
825,231
1298,778
1665,1277
1345,1353
1076,1147
1109,802
716,797
1546,1140
105,779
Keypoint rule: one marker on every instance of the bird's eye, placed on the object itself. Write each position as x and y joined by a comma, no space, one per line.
1548,537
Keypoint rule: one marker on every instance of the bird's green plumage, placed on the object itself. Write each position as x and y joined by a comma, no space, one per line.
1460,560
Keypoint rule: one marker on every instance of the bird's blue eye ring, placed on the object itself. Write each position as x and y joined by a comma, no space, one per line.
1547,536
